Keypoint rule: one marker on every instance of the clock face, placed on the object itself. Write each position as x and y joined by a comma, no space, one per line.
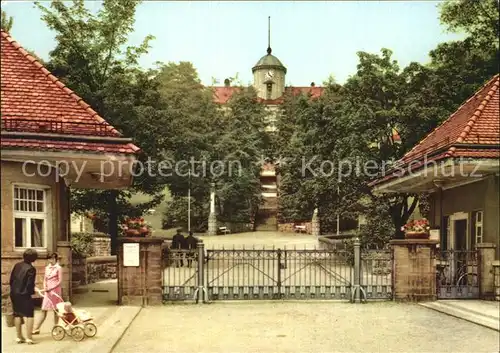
269,74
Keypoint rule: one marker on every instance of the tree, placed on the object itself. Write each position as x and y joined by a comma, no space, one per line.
91,58
242,143
221,145
7,22
479,18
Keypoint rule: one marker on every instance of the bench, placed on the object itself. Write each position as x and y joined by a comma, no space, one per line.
299,228
224,230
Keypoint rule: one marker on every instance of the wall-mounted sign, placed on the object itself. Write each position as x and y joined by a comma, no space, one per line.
434,235
131,254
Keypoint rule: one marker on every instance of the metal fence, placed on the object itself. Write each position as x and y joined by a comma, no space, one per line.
457,274
377,274
246,274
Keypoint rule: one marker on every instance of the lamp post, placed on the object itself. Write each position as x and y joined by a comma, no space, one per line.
338,213
189,200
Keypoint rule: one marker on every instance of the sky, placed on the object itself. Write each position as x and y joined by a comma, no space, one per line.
221,38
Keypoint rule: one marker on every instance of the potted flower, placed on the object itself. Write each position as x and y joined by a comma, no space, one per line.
417,229
136,227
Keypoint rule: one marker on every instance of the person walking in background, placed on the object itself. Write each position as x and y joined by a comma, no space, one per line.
191,243
52,288
22,287
178,243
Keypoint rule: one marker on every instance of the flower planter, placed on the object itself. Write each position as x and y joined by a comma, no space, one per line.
417,235
132,233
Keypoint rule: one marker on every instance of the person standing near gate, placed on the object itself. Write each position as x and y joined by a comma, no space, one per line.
191,243
178,244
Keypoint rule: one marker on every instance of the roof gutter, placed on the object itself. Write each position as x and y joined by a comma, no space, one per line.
59,137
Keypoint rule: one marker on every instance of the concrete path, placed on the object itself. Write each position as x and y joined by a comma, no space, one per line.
111,321
484,313
312,327
260,240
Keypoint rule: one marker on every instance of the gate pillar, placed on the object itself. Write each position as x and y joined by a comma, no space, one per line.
139,271
315,224
486,252
212,218
414,270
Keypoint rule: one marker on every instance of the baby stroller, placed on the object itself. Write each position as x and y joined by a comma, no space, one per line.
76,323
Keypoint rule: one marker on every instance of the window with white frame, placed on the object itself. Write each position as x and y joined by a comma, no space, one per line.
30,217
477,227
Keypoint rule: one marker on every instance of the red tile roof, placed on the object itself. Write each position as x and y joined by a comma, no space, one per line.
35,101
473,131
475,122
223,94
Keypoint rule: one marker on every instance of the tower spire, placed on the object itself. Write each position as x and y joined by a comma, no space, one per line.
269,50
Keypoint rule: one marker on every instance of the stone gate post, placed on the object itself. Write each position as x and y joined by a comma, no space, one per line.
212,218
414,269
315,224
486,273
139,271
66,262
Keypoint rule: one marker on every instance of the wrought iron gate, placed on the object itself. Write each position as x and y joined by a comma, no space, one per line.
246,274
278,274
376,275
180,275
457,274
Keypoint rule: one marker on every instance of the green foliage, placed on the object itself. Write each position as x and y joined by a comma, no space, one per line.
379,228
242,144
478,18
7,22
356,122
81,243
91,58
176,214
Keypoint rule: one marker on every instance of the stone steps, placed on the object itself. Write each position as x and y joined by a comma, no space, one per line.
478,317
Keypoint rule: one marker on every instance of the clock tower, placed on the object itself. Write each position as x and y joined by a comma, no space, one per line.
269,75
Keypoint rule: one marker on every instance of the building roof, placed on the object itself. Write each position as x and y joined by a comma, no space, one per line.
269,61
39,111
473,131
223,94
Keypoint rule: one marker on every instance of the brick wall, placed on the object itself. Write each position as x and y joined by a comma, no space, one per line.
288,227
496,271
101,246
79,271
101,268
143,284
414,270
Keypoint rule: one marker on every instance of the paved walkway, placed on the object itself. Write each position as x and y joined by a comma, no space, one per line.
481,312
111,321
312,327
260,240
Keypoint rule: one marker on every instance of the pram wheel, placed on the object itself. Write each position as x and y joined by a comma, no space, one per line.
77,333
58,333
90,329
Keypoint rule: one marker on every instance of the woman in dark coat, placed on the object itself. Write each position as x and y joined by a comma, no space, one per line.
22,287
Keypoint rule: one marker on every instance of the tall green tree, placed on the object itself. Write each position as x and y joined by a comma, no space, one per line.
92,58
479,18
241,145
